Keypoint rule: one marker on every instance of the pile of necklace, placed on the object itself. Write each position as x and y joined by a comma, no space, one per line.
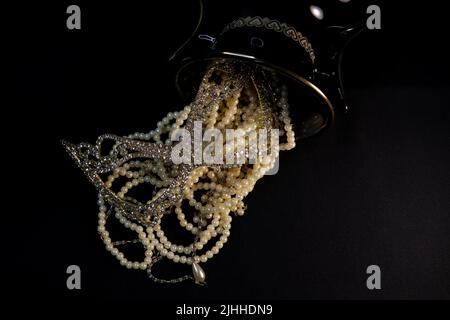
232,95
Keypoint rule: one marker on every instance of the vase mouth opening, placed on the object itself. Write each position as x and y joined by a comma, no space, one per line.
311,110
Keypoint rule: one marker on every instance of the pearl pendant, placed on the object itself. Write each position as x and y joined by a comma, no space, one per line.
199,273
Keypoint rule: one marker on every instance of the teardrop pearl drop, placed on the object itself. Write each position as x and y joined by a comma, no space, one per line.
199,273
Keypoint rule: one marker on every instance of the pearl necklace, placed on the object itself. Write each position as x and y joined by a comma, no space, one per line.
213,193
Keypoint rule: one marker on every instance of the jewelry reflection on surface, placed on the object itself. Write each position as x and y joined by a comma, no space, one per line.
232,95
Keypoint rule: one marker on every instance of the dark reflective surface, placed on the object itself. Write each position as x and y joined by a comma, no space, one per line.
303,41
372,189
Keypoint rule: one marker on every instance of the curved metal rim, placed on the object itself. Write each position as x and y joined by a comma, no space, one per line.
230,55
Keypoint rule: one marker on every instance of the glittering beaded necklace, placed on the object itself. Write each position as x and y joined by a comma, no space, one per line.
232,96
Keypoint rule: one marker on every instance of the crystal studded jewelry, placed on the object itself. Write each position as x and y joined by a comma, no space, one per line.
142,186
232,96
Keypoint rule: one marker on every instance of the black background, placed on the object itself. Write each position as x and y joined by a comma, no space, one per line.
373,189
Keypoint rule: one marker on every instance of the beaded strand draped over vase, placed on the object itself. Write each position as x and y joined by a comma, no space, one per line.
231,96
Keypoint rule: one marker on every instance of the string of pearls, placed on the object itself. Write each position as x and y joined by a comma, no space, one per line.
214,194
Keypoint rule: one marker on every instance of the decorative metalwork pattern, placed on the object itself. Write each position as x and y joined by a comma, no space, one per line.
231,96
276,26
